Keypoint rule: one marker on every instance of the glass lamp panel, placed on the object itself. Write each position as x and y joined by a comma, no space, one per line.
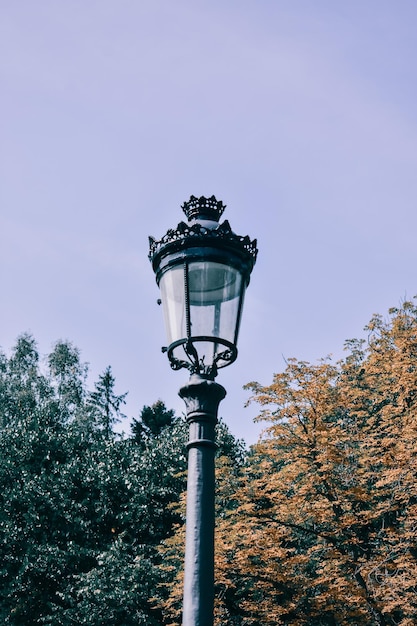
211,283
173,302
214,295
229,317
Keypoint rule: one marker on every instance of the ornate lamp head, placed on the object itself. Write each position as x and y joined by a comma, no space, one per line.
202,269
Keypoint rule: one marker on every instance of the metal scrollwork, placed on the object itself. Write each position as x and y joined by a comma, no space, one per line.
195,364
197,231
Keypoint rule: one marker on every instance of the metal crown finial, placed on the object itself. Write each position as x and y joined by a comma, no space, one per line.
203,208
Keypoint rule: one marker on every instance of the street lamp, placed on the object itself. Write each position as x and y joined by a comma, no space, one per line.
202,269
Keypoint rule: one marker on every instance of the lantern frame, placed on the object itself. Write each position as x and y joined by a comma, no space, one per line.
203,241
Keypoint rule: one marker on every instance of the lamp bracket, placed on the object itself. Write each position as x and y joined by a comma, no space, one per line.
194,364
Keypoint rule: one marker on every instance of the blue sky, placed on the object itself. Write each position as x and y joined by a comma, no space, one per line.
301,116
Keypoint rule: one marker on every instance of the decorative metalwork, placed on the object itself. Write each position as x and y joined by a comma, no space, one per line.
203,208
196,233
195,365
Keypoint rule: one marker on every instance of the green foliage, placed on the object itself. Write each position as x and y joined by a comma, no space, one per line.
153,419
82,511
23,389
115,591
316,525
104,404
67,375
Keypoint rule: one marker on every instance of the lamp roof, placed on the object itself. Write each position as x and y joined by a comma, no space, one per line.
201,235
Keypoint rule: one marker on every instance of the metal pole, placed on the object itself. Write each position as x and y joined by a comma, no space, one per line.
202,398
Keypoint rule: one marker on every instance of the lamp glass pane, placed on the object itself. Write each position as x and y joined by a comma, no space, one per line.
173,302
214,292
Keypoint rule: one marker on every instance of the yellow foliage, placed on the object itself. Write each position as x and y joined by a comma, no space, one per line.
321,526
326,525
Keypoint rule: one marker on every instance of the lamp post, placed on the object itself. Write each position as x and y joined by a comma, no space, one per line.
202,269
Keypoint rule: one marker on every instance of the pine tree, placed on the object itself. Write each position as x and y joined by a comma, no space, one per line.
104,404
152,421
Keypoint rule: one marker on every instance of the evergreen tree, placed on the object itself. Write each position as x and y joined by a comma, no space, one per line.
104,404
153,419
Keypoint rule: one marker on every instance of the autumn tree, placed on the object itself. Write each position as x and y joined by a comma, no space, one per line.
325,529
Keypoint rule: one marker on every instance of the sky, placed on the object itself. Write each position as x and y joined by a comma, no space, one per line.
300,116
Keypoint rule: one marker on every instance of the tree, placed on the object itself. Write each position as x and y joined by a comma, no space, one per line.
68,375
23,388
316,525
152,421
81,514
324,532
104,404
139,487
